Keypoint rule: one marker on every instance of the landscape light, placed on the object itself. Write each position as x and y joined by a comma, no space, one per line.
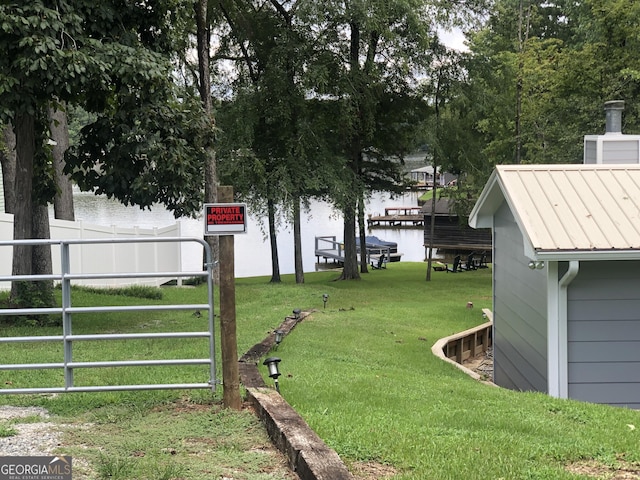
279,336
272,365
325,297
296,313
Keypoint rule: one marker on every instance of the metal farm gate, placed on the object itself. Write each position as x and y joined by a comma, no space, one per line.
68,339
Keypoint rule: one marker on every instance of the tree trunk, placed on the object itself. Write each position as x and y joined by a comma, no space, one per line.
523,36
8,162
42,263
30,221
273,239
432,223
297,242
22,220
364,266
210,171
63,201
350,269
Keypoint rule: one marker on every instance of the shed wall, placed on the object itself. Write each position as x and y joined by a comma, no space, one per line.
620,151
590,151
604,333
520,325
1,192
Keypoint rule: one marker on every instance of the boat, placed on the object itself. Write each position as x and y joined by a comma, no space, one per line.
377,246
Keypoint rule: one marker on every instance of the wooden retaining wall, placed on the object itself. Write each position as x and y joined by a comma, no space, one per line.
461,346
470,344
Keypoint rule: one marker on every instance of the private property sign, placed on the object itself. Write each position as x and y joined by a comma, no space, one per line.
225,218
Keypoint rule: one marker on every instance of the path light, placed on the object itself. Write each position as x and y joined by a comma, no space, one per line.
279,336
272,365
296,313
325,297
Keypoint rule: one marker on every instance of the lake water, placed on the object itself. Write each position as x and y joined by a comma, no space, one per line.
252,250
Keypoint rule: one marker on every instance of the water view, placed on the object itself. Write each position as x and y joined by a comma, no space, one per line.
252,250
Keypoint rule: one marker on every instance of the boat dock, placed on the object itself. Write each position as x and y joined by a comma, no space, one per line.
328,248
408,217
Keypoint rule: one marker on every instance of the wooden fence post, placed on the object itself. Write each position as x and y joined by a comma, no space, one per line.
228,339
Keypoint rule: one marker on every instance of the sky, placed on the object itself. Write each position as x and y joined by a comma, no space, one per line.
453,39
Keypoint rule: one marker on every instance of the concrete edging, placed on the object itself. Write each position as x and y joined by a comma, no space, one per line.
309,457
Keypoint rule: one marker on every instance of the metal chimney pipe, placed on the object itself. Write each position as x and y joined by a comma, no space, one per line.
613,110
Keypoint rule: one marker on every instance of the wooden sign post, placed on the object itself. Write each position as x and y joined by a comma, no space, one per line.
228,338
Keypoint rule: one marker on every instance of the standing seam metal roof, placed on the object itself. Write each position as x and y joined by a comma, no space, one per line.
568,207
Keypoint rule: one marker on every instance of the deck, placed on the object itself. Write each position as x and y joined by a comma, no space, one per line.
328,248
408,217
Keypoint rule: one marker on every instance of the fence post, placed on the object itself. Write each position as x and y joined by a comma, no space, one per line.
65,269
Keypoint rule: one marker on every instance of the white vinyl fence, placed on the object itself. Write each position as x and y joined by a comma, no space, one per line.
105,258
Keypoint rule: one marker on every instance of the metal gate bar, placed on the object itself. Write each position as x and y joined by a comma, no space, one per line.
67,310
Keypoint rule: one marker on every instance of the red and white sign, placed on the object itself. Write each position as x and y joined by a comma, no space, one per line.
225,218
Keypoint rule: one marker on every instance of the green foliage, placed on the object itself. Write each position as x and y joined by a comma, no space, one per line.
7,430
137,291
113,61
559,61
147,153
37,294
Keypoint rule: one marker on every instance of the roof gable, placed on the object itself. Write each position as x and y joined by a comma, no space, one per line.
567,209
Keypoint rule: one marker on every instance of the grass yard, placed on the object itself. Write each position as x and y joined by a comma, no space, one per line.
360,371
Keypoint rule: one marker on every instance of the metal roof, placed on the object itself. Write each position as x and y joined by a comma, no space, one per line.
443,207
568,211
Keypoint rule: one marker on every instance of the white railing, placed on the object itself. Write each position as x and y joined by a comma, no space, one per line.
105,258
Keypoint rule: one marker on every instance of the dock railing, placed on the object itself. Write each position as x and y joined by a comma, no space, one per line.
328,247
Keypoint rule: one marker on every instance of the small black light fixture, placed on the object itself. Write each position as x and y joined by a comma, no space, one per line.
325,297
279,334
272,365
296,313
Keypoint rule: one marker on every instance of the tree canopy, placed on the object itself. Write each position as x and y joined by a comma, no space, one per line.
113,59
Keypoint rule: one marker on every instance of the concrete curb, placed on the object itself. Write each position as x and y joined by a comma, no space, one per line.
308,455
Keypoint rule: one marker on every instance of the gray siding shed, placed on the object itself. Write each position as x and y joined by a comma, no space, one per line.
566,258
520,331
604,333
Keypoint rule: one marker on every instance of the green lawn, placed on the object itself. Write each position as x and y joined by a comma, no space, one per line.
360,371
362,374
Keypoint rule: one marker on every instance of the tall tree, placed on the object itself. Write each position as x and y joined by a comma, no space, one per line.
368,56
268,47
114,59
203,41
